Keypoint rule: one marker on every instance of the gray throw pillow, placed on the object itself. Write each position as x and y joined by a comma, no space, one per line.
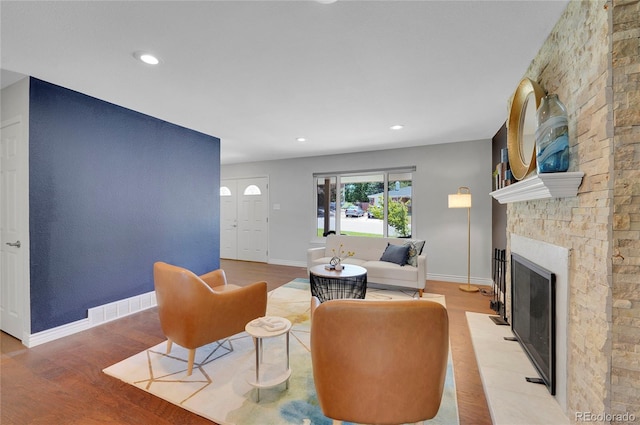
397,254
415,249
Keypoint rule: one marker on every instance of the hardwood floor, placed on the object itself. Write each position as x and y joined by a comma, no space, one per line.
472,404
62,381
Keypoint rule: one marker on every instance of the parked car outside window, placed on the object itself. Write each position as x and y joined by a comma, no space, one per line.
354,211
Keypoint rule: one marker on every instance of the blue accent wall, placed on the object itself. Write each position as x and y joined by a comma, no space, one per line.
111,191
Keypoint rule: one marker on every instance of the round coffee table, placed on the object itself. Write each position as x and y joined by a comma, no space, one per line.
350,282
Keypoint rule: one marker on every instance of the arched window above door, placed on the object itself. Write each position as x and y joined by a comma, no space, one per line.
252,189
224,191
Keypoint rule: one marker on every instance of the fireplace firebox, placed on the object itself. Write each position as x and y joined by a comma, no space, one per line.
533,316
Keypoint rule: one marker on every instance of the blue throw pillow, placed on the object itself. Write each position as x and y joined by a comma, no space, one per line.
397,254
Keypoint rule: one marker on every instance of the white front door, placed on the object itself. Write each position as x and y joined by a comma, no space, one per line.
228,219
13,233
244,219
253,219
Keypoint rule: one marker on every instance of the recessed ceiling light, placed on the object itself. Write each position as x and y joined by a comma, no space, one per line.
326,1
301,139
147,58
397,127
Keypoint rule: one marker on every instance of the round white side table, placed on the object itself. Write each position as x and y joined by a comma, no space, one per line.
261,329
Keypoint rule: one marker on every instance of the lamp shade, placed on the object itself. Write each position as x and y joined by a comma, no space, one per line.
460,200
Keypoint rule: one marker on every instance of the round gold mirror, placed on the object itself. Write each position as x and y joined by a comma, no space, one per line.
522,127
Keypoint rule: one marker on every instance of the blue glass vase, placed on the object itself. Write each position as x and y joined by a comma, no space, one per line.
552,136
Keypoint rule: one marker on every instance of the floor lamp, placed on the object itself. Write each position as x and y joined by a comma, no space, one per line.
462,199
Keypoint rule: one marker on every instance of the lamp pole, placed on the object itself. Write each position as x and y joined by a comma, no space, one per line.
462,199
469,288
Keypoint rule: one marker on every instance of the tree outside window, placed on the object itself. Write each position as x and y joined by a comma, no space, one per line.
365,207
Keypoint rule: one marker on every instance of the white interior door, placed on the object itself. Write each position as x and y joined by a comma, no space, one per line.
13,236
228,219
253,220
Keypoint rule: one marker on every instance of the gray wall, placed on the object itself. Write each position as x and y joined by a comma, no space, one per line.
440,170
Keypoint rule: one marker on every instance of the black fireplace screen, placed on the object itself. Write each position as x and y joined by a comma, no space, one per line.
533,315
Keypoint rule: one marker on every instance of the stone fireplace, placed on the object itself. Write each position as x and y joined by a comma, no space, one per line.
591,60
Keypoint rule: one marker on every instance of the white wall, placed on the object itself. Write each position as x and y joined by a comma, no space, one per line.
15,100
440,170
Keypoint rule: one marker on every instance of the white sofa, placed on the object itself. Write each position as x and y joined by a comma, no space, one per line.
367,252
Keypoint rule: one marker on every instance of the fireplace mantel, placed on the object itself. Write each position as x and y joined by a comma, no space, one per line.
541,186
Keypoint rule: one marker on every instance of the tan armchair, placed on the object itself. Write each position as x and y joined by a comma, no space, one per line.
379,362
198,310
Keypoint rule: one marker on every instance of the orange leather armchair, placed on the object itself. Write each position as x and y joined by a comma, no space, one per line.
198,310
379,362
315,303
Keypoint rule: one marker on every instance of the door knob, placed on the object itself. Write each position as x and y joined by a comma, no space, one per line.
16,244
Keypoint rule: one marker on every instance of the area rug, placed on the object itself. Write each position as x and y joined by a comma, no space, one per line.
219,390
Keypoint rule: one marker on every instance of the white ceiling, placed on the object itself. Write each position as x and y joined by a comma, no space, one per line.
259,74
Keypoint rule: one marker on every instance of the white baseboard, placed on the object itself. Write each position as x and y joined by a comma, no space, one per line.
117,309
55,333
459,279
288,263
95,316
430,276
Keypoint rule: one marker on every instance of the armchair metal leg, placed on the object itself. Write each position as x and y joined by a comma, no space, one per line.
192,356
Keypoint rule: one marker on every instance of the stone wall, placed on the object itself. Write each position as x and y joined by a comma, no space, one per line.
591,61
625,380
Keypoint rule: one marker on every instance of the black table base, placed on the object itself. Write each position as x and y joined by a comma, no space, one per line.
329,288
